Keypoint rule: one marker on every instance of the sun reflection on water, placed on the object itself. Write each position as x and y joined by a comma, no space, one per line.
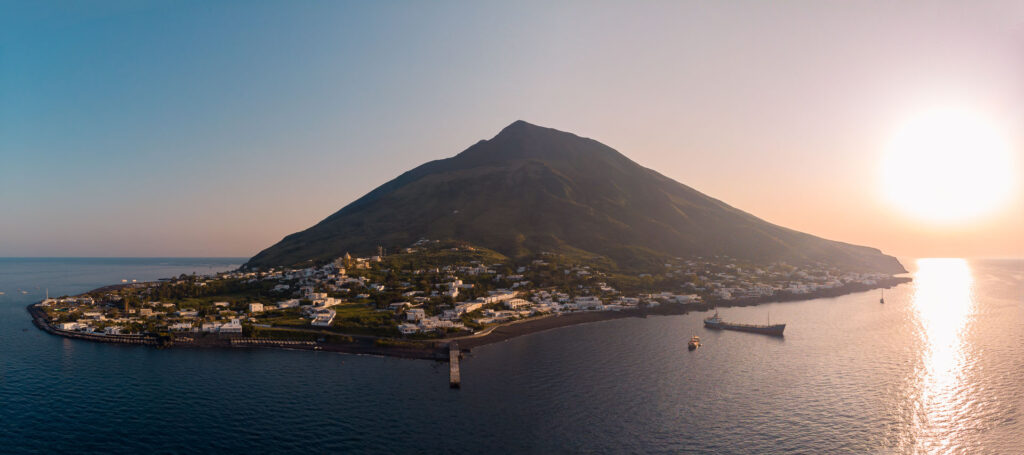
943,304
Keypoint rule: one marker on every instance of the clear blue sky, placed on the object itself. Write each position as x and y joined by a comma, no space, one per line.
197,128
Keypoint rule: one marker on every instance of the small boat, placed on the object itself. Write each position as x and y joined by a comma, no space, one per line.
694,343
24,292
882,300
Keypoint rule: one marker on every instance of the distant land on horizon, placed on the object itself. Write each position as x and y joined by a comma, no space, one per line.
532,189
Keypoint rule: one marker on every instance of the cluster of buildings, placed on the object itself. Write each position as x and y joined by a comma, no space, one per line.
723,279
435,300
113,316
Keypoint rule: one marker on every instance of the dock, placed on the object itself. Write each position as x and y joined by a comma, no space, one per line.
454,379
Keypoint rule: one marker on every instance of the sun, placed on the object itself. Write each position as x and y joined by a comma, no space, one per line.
948,165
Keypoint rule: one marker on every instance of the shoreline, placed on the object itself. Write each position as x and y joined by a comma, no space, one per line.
527,326
437,349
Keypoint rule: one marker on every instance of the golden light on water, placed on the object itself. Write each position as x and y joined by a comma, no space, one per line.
943,303
948,165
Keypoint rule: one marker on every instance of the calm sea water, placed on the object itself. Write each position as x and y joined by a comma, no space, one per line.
939,368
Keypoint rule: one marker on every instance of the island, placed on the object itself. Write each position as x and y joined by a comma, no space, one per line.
533,229
419,300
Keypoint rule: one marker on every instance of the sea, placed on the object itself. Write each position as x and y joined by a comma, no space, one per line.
937,368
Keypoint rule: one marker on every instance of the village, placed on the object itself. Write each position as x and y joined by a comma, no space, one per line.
429,290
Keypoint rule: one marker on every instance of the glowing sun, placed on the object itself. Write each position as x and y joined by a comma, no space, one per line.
948,165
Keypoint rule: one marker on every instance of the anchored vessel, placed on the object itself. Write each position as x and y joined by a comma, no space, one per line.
715,322
694,343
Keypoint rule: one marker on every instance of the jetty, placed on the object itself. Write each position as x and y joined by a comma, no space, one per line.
454,379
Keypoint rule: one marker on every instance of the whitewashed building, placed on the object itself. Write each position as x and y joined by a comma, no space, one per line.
415,314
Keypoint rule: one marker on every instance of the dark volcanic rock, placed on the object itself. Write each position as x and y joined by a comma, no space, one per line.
532,189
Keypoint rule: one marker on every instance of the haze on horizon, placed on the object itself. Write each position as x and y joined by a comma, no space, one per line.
215,129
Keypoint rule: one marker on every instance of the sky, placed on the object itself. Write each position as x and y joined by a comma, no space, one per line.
198,128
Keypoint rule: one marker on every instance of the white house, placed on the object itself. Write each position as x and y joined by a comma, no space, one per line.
324,318
500,295
415,314
328,302
408,329
235,326
515,304
588,303
468,307
181,326
255,307
435,323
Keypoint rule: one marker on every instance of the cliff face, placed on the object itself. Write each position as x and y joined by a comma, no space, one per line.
532,189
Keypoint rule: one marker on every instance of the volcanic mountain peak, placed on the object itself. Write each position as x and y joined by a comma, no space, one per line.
523,140
531,189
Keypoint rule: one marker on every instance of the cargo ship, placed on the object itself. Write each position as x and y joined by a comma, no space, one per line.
715,322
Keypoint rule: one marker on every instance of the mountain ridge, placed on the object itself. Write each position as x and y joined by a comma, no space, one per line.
530,189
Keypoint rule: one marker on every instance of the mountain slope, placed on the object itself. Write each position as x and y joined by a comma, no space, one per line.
532,189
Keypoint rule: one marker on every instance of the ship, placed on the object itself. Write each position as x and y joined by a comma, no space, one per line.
694,343
882,300
716,322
